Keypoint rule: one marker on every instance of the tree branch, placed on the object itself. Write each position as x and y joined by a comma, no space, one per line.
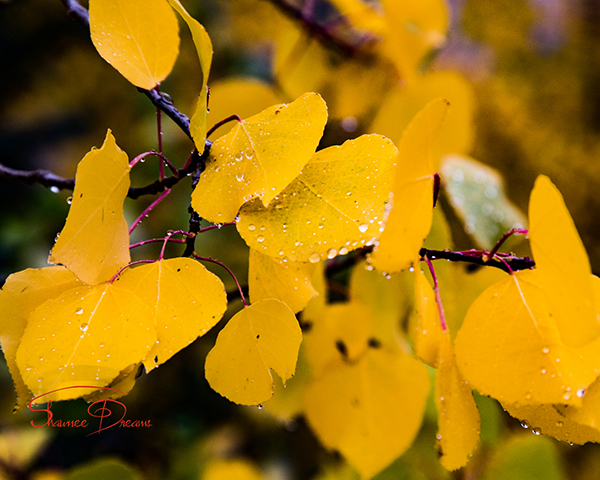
49,179
475,257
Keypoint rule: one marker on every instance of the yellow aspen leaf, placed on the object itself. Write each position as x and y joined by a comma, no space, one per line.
259,157
564,267
555,421
262,337
361,14
428,334
509,347
343,332
386,296
139,38
198,122
400,104
458,417
316,305
410,217
123,383
413,28
239,96
337,204
22,293
186,300
94,243
288,282
234,469
354,408
85,336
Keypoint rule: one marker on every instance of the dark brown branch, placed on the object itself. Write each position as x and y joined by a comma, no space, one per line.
515,263
323,33
43,177
77,13
508,263
49,179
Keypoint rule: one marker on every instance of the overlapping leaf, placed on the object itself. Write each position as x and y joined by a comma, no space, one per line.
509,347
561,259
94,242
288,282
261,337
185,299
354,408
22,293
198,124
337,204
458,417
259,157
139,38
85,336
428,335
409,220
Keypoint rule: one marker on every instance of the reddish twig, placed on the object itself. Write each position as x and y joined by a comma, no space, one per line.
148,210
438,298
206,259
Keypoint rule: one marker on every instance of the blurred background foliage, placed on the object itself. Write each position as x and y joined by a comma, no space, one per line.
523,76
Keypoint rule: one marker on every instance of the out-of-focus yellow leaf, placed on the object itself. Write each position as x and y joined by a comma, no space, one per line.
259,157
102,468
186,300
239,96
316,305
236,469
429,334
458,417
139,38
22,293
288,282
198,122
336,205
262,337
409,219
343,331
509,347
85,336
353,408
476,192
401,104
413,28
120,386
564,267
19,446
94,243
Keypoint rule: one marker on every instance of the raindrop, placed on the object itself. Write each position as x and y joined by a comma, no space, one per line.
545,350
259,406
239,156
79,311
536,431
363,227
260,238
343,251
332,252
281,252
314,257
54,189
84,327
251,227
524,425
581,392
69,200
240,177
249,153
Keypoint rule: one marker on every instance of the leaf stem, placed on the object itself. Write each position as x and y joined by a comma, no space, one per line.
206,259
131,264
166,239
223,122
499,243
148,210
438,298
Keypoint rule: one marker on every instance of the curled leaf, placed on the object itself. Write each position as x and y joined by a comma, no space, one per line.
94,243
